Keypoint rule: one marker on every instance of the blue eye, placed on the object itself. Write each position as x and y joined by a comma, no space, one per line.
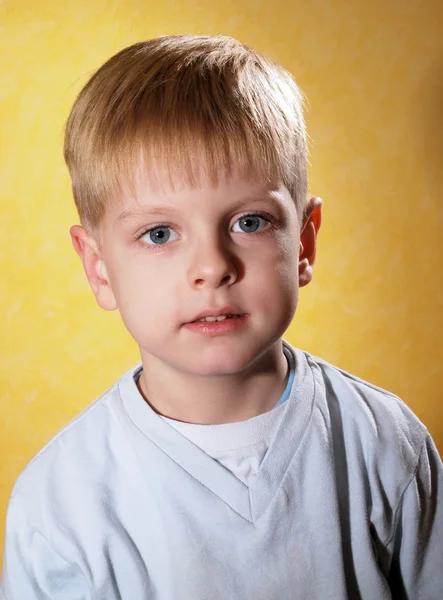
251,223
158,235
162,234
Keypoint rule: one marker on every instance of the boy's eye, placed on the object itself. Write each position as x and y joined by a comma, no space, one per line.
158,235
161,234
251,223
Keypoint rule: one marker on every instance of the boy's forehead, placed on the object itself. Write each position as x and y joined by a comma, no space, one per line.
152,191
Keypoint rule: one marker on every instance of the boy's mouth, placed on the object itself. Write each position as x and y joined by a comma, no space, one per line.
213,319
218,314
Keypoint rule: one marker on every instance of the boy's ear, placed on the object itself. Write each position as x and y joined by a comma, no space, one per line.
308,240
87,248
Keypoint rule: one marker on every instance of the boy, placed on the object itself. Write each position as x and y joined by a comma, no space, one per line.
228,464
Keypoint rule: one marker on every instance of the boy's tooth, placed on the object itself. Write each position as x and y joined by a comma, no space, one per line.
212,319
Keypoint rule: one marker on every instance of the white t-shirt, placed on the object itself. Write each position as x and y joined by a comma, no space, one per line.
241,446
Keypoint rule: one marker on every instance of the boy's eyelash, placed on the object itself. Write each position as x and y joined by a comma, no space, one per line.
266,217
145,231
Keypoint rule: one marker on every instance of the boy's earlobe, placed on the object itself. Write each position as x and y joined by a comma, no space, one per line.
86,247
305,272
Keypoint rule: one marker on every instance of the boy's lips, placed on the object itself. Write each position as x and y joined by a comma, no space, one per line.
216,328
218,312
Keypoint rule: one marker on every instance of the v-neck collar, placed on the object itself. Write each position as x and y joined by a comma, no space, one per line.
248,501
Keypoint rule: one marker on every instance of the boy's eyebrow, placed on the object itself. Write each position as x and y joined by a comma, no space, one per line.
136,211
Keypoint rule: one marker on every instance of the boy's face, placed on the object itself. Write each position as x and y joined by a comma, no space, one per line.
236,245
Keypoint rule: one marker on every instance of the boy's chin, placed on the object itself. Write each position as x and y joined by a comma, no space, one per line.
212,362
216,357
222,361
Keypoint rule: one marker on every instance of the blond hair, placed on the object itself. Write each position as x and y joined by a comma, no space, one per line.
186,107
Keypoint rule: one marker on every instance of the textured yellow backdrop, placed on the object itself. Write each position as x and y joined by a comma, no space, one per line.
373,73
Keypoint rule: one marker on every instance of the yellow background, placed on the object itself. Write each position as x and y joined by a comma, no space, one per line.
373,74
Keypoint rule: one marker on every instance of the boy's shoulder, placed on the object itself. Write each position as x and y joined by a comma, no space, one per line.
373,417
80,446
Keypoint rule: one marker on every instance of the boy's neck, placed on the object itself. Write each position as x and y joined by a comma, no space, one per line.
214,400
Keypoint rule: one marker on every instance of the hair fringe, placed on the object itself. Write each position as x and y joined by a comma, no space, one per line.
179,110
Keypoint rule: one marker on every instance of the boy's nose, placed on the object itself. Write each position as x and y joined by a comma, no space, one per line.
212,266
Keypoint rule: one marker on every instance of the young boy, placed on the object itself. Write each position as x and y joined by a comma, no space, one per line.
228,464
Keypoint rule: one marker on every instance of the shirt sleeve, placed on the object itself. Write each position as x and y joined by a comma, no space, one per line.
417,564
32,569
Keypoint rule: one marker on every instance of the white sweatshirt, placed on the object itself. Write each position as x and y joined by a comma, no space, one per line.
346,503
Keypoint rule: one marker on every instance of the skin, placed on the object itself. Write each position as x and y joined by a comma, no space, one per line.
209,261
